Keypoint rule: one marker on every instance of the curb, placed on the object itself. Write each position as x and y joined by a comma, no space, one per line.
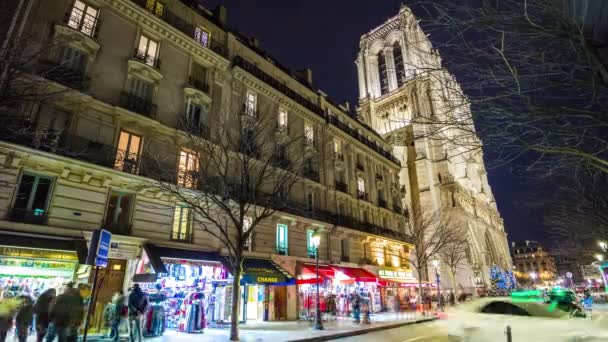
364,331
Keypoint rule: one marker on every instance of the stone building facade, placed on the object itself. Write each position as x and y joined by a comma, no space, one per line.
402,82
70,172
533,263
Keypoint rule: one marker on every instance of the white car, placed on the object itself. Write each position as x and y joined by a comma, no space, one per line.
486,319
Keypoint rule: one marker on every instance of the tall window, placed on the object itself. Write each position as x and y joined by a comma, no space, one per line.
202,36
128,153
141,89
247,222
337,147
361,184
155,7
282,120
310,201
182,224
33,195
251,103
309,134
118,212
72,59
344,250
188,169
383,73
193,116
83,18
399,66
282,247
367,252
147,50
310,248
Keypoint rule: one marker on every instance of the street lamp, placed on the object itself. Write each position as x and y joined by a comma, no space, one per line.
315,241
603,245
599,257
533,277
436,265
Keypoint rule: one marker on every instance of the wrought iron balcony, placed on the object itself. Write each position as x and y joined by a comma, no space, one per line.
138,105
382,203
146,58
311,174
58,72
340,186
199,84
339,156
362,195
186,237
28,216
195,128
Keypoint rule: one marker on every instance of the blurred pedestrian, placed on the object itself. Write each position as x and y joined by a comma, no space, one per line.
138,303
119,311
66,314
24,317
41,310
6,323
588,304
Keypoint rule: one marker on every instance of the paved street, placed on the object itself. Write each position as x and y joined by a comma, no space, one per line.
425,332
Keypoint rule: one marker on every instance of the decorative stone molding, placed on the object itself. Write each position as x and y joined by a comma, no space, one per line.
76,39
144,71
197,95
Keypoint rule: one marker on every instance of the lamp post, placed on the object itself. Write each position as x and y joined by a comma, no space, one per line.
599,257
315,240
603,245
533,277
439,301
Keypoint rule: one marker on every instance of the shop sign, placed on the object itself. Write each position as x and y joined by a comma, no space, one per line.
30,263
385,273
117,251
99,248
37,253
267,280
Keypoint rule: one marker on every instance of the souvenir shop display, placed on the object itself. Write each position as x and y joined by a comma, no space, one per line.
154,317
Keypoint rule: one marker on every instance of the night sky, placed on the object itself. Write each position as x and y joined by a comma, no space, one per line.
324,36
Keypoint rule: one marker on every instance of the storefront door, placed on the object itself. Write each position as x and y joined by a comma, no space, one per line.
109,281
280,303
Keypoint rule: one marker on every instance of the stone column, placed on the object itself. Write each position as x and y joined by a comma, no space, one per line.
361,77
373,78
391,71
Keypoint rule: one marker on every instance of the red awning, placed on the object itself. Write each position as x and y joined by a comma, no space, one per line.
357,274
309,273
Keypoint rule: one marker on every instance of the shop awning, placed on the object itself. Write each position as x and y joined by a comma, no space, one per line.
36,242
156,253
264,271
356,274
309,274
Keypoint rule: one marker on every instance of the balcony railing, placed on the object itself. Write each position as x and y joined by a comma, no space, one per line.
146,58
340,186
198,84
311,174
83,22
195,128
186,237
185,27
382,203
362,195
117,228
60,73
28,216
283,129
339,156
138,105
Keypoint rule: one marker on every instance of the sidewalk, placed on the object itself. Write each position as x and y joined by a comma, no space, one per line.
300,331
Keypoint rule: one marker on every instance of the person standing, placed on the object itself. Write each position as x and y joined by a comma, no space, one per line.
66,314
588,304
24,317
119,308
41,310
138,303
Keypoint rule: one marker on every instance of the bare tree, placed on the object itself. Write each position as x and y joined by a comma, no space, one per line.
235,172
529,76
431,233
454,253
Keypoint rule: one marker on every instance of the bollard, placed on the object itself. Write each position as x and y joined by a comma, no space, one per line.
508,333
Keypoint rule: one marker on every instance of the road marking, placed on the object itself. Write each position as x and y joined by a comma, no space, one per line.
417,338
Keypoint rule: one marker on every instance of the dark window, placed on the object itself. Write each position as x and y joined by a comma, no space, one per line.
72,59
118,213
33,194
383,73
344,250
399,66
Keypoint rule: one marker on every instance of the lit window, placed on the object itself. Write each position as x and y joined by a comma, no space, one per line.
251,103
33,196
128,152
156,7
147,50
247,222
361,184
202,36
282,239
182,224
283,120
118,213
83,18
188,169
312,251
337,146
309,134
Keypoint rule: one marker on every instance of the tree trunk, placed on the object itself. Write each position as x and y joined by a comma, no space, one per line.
420,293
236,295
453,274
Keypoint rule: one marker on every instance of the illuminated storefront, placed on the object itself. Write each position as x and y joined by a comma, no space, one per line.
398,288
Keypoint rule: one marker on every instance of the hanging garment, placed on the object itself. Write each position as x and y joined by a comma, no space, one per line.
154,321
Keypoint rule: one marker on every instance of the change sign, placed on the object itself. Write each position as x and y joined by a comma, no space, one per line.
99,248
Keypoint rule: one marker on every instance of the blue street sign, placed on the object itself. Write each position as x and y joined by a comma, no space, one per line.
99,248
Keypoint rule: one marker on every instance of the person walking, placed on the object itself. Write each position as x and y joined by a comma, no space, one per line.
138,303
119,311
24,317
41,310
588,304
66,314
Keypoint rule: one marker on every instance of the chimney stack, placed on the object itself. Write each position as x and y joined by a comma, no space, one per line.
220,14
305,75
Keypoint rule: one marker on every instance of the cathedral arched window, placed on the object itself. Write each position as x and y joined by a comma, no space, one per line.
383,73
399,65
